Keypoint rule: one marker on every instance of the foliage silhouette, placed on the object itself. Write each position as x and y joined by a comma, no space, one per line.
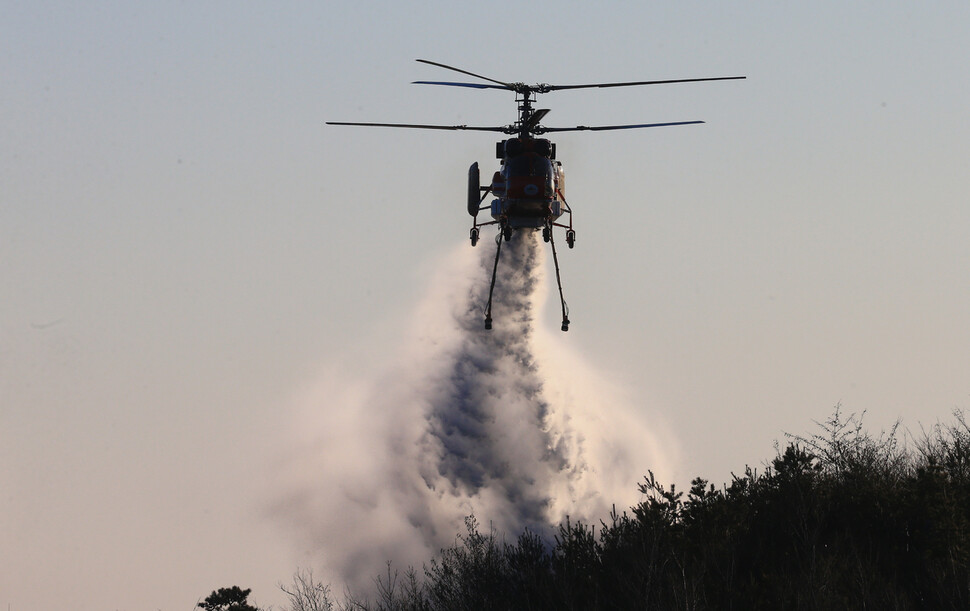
228,599
306,593
840,519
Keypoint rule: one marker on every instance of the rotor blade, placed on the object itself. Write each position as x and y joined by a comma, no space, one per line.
630,84
601,128
447,67
473,85
506,129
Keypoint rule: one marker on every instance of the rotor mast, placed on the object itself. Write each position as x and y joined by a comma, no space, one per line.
525,98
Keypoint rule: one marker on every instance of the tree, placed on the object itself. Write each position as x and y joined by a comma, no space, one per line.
228,599
307,594
840,519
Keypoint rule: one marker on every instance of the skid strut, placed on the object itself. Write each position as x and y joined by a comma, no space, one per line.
555,260
491,287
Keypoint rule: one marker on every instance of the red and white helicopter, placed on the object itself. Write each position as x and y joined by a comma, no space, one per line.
529,186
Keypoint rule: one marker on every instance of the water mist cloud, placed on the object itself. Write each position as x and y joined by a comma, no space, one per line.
509,425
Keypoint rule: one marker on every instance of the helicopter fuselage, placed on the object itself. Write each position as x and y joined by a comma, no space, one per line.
529,187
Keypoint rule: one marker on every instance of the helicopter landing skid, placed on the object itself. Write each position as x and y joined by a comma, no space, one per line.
491,287
503,236
555,260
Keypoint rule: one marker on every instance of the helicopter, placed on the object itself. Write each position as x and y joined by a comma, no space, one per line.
529,186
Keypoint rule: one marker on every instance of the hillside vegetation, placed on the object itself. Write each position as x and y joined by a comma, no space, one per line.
837,520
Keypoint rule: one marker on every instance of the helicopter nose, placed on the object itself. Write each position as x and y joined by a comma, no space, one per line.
522,188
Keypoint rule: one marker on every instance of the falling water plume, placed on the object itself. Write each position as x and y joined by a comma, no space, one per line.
509,425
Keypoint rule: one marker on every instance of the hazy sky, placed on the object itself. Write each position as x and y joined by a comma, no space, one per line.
185,246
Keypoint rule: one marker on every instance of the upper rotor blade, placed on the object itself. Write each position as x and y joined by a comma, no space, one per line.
601,128
505,129
447,67
473,85
632,83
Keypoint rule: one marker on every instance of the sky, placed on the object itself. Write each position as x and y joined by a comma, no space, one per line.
187,250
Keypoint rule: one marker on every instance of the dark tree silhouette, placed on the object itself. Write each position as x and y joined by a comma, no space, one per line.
228,599
306,593
840,519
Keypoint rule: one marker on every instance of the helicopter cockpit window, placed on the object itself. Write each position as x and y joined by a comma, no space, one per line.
528,164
